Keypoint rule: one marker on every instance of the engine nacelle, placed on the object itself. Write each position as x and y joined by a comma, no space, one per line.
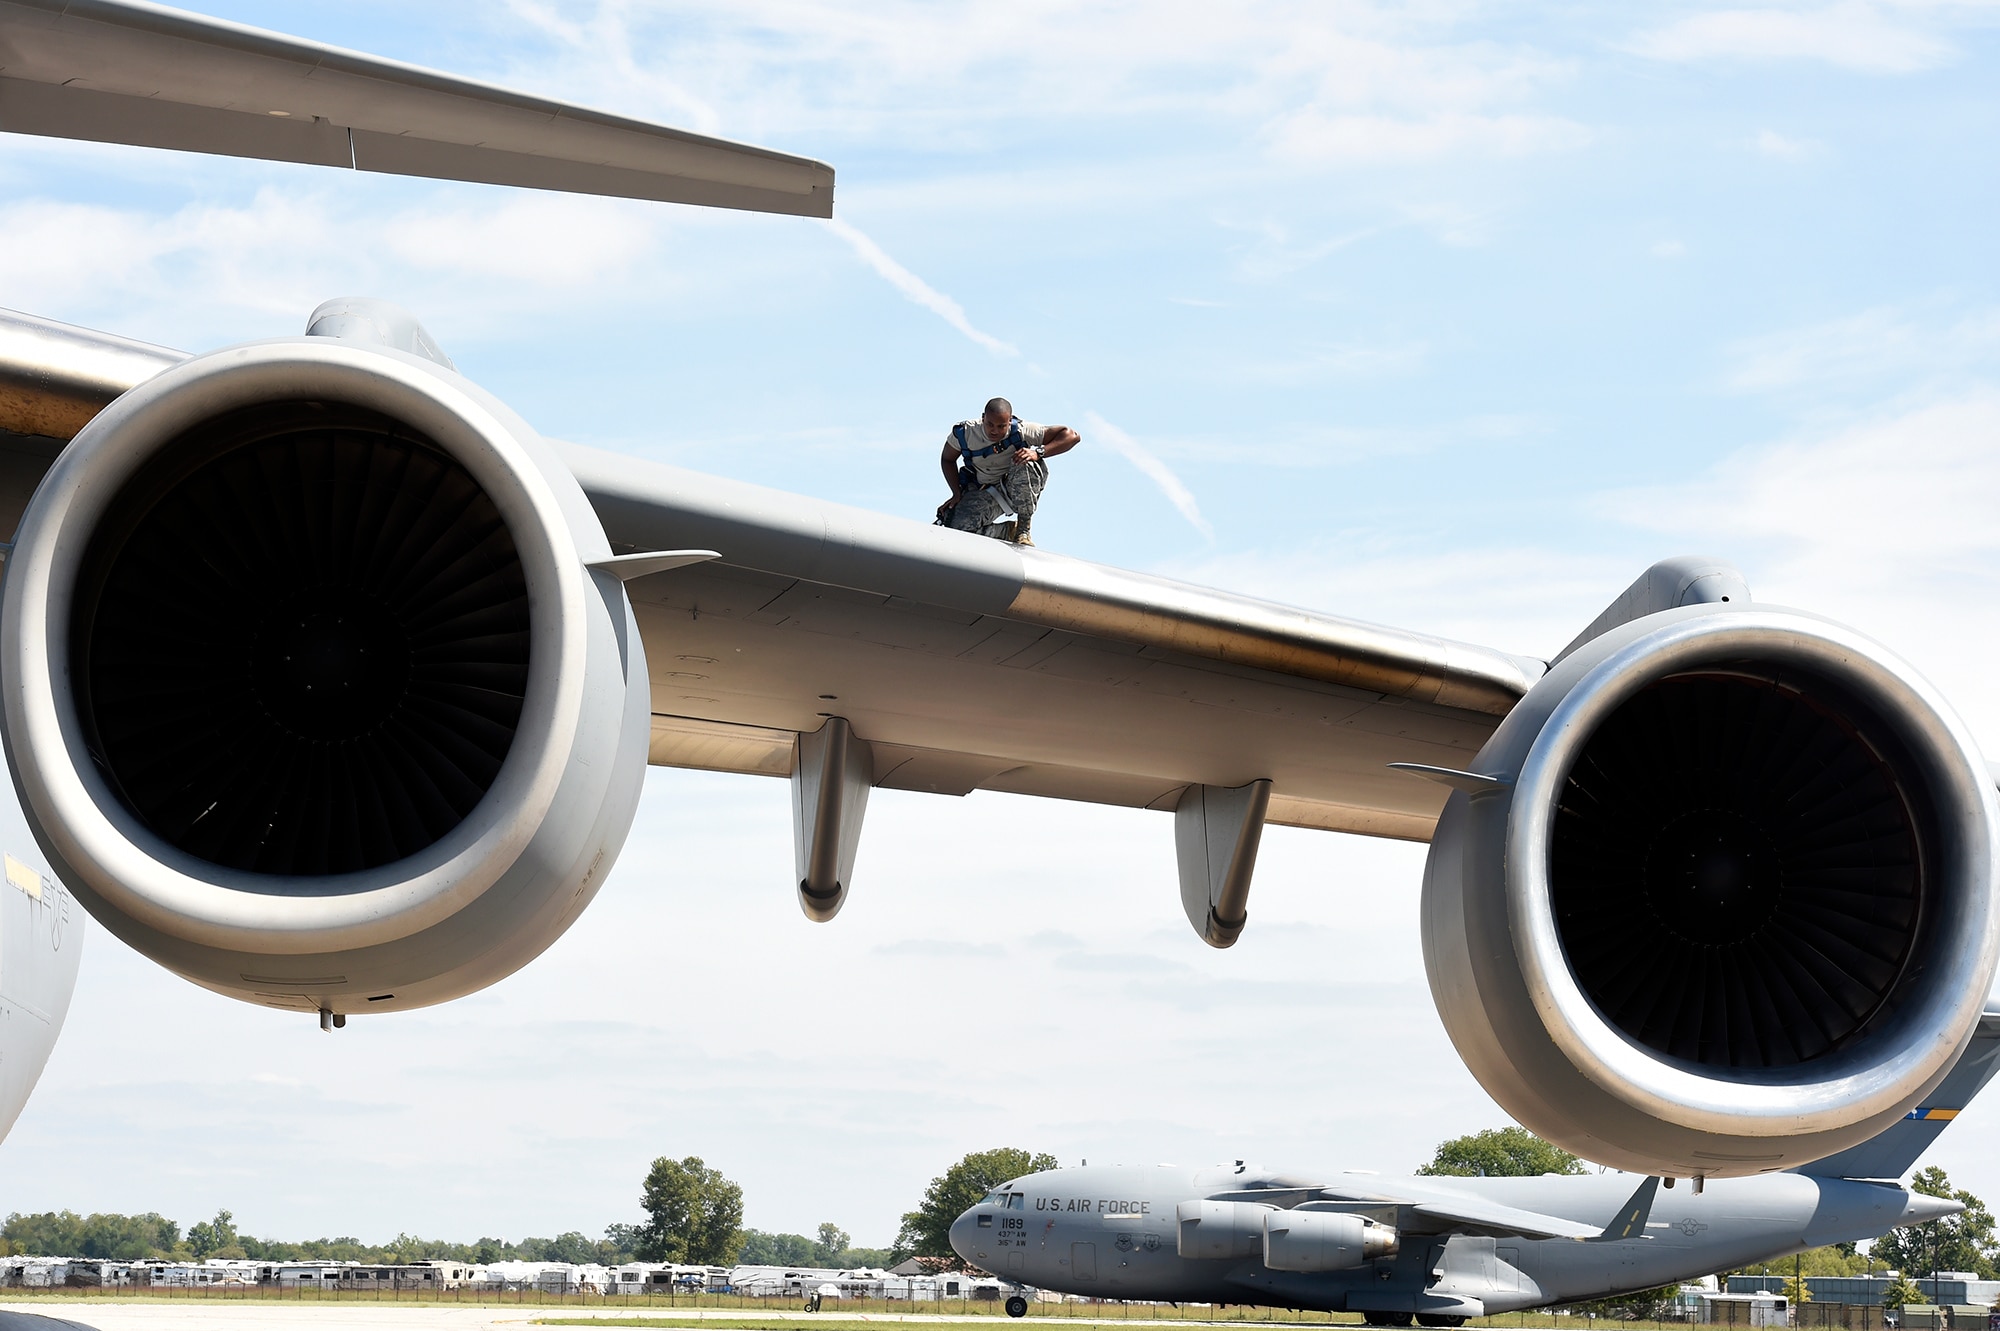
1324,1241
313,697
1726,904
1212,1230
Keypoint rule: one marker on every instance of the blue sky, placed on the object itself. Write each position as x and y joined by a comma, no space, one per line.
1453,316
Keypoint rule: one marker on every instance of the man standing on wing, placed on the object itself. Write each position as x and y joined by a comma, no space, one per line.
997,463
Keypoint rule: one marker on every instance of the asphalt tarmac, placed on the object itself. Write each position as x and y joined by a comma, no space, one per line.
202,1315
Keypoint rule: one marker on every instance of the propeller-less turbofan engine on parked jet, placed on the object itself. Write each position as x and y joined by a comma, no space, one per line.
1717,895
324,690
330,684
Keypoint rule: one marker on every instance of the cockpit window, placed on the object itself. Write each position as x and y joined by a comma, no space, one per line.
997,1197
1017,1201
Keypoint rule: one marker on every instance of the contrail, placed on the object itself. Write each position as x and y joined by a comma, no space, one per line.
928,296
1156,471
918,290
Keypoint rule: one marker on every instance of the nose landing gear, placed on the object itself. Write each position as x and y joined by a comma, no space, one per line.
1017,1306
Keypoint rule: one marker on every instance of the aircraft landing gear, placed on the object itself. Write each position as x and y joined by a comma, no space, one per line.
1439,1319
1017,1306
1388,1319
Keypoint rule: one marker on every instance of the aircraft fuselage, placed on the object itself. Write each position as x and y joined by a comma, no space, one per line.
1112,1232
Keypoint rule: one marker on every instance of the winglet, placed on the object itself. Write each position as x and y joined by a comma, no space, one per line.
627,567
1630,1222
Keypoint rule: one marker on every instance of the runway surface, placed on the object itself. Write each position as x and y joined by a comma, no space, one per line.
199,1315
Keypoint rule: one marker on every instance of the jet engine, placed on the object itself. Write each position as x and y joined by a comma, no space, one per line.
1717,896
313,695
1210,1229
1324,1241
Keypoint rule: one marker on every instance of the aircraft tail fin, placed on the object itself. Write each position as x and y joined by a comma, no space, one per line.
1891,1152
1630,1222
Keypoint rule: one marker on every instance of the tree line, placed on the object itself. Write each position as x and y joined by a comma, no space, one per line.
131,1238
693,1214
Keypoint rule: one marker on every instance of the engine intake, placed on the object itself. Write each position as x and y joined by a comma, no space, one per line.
301,641
1737,868
314,697
1727,905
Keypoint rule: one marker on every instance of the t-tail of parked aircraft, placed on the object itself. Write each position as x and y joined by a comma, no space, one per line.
330,682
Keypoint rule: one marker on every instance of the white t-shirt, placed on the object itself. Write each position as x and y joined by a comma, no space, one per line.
994,465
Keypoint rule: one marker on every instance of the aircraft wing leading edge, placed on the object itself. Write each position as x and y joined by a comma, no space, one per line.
965,663
1424,1209
118,71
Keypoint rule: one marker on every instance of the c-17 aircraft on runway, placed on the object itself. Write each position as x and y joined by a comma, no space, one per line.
1435,1249
329,684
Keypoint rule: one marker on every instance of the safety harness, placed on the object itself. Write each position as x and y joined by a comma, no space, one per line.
967,452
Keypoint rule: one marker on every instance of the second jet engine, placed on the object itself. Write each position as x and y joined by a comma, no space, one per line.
1717,897
1324,1241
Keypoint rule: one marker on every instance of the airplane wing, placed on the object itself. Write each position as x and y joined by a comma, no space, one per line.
1439,1214
1445,1211
122,71
972,664
964,663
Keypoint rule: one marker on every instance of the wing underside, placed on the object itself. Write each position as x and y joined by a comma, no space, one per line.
115,71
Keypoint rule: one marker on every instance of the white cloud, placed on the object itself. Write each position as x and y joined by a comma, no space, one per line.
1773,144
1351,360
1311,135
842,70
1884,498
1156,471
1322,447
1270,249
1881,348
1854,36
916,289
263,264
1520,598
1884,522
604,38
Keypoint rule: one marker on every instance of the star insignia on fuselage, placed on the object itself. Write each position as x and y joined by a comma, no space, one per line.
1691,1226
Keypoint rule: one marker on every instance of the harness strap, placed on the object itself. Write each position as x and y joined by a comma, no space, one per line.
1011,442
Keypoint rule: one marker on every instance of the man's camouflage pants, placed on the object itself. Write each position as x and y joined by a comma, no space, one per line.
976,511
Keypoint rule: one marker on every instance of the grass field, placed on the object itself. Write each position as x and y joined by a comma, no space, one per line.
723,1312
1083,1318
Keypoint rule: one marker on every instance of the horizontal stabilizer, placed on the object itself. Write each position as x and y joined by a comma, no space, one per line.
1890,1152
119,71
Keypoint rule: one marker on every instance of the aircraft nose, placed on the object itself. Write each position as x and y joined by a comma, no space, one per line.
961,1234
1919,1207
